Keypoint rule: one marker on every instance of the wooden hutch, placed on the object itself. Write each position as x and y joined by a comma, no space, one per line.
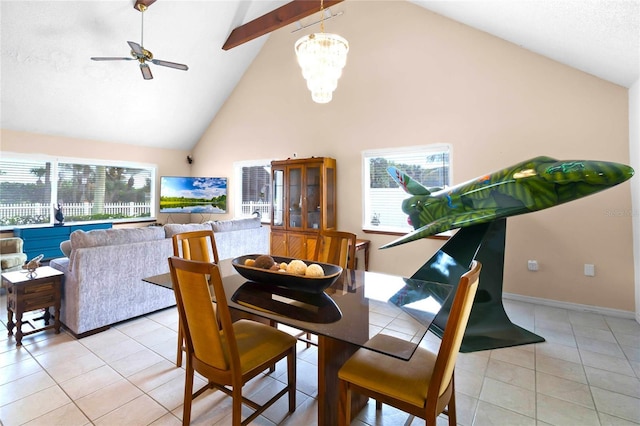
304,202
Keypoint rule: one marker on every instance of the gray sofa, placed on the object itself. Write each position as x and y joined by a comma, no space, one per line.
104,269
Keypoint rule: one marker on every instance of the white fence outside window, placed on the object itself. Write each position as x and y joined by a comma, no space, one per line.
8,211
248,207
73,209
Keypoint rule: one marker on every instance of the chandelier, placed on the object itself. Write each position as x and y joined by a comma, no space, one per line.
322,57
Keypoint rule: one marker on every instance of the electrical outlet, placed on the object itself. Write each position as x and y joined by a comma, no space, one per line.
532,265
589,270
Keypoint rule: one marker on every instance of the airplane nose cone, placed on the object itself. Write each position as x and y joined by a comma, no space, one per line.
589,172
606,173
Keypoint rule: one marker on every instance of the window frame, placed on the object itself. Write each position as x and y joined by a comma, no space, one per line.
237,192
56,160
387,153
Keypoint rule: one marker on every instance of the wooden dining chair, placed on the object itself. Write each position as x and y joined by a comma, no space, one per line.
194,245
227,354
423,386
336,248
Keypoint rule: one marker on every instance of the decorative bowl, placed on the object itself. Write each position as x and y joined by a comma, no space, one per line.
285,279
318,308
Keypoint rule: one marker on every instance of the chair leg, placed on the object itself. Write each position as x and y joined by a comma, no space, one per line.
180,346
344,403
188,395
236,411
291,378
451,406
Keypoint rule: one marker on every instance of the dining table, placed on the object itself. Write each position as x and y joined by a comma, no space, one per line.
344,317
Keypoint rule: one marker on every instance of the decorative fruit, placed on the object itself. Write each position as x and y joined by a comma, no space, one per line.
297,267
264,261
314,270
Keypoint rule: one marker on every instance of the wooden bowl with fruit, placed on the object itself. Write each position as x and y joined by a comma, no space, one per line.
296,274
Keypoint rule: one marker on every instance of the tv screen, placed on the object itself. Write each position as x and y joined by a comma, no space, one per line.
181,194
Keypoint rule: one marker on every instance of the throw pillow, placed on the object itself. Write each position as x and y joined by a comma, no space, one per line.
171,229
235,224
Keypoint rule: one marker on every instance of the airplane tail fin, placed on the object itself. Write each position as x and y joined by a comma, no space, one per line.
409,185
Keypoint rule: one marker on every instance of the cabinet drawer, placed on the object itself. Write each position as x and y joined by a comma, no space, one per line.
36,301
40,288
39,232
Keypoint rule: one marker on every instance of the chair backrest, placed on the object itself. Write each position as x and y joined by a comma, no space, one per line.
336,248
196,245
211,342
454,330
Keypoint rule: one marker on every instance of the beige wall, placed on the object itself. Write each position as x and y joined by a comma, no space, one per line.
415,78
169,161
634,153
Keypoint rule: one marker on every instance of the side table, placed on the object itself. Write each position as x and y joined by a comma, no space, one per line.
26,294
363,245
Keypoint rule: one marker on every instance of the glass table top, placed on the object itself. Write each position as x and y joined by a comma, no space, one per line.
358,306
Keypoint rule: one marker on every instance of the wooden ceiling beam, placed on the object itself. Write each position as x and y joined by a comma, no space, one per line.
278,18
146,3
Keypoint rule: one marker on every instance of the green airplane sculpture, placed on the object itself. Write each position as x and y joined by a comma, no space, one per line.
531,185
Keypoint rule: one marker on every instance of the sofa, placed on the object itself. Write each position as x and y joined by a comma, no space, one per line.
103,269
11,255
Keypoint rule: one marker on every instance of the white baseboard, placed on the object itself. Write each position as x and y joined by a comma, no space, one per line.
618,313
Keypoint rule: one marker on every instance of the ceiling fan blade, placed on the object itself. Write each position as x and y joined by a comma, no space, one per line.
137,49
170,64
110,58
146,72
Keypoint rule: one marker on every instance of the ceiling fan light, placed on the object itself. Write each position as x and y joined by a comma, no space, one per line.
146,71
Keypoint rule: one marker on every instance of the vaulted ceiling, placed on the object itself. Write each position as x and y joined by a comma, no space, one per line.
49,84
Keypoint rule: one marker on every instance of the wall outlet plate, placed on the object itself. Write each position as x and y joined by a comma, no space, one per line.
532,265
589,270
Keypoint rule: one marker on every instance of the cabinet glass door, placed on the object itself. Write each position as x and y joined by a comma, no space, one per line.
278,198
313,201
330,196
295,197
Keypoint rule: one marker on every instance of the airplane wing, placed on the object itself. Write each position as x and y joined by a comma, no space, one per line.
447,223
409,185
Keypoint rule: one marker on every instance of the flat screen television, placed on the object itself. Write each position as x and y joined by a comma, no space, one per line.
183,194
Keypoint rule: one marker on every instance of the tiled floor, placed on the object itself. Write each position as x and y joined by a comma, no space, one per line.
585,374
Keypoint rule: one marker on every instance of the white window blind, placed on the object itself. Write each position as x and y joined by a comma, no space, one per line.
87,191
253,188
25,192
382,197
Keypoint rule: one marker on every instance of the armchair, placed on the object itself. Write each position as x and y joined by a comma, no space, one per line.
11,255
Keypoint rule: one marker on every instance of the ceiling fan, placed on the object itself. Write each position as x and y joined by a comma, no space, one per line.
139,53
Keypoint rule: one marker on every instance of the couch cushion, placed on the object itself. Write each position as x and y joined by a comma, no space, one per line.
12,260
114,237
235,224
65,248
170,229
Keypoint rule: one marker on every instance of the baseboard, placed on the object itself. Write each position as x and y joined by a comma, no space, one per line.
618,313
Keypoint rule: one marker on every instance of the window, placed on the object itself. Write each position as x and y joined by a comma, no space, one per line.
87,191
253,194
382,197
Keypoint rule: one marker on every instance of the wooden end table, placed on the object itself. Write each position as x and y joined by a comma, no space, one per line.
25,294
363,245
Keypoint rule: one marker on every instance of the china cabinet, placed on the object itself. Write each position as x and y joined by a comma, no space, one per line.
304,202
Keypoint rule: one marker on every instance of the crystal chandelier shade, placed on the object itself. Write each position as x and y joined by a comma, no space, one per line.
322,56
